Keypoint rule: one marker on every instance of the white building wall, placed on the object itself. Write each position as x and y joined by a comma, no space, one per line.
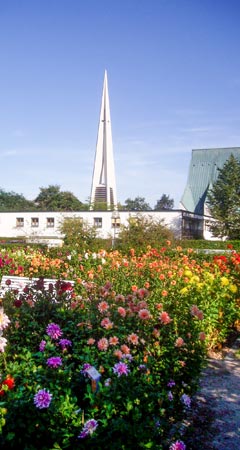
21,224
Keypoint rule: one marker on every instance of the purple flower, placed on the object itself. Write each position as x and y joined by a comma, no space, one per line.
89,427
178,445
185,399
42,399
54,331
170,396
142,367
65,343
86,366
54,362
42,346
121,369
171,383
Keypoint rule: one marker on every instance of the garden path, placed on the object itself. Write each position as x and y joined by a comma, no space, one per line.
216,408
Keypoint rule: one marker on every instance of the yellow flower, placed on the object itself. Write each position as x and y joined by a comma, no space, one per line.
233,288
188,273
209,277
224,281
184,290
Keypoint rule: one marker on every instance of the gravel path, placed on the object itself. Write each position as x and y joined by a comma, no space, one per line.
216,408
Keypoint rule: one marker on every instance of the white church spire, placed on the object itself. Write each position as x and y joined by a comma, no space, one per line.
103,182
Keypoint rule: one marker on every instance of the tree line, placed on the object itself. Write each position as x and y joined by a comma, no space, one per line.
222,199
52,198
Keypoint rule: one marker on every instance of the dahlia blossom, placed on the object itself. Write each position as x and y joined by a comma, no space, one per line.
89,427
42,346
4,320
121,369
65,343
54,362
54,331
3,343
42,399
185,399
178,445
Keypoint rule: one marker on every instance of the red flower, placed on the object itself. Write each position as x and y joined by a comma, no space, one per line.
9,382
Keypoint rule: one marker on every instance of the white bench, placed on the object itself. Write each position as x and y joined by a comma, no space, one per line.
14,283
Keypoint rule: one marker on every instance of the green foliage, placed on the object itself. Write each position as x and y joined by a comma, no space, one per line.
11,201
224,201
77,233
52,199
141,232
138,204
99,206
164,203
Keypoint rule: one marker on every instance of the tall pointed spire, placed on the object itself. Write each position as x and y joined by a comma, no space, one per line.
103,182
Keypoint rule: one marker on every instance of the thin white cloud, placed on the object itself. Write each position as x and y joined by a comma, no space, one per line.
7,153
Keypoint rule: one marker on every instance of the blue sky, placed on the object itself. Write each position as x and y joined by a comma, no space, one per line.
174,84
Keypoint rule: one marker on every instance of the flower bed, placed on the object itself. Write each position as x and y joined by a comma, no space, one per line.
112,363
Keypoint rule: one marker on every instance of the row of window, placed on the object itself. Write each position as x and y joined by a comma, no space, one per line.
97,222
35,222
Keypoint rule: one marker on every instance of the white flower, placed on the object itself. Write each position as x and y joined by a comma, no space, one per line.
4,320
3,343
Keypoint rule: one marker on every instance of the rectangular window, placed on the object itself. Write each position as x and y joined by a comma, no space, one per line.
19,222
50,222
116,222
35,222
97,221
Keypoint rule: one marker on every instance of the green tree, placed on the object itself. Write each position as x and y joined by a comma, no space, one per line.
164,203
53,199
11,201
223,201
138,204
142,231
78,233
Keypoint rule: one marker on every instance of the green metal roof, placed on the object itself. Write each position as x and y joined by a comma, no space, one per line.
203,172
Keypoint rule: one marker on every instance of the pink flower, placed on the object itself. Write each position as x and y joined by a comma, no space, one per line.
200,315
120,298
125,349
196,312
103,307
179,342
165,318
4,320
118,354
122,311
91,341
113,340
144,314
202,336
133,339
156,333
121,369
102,344
106,323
